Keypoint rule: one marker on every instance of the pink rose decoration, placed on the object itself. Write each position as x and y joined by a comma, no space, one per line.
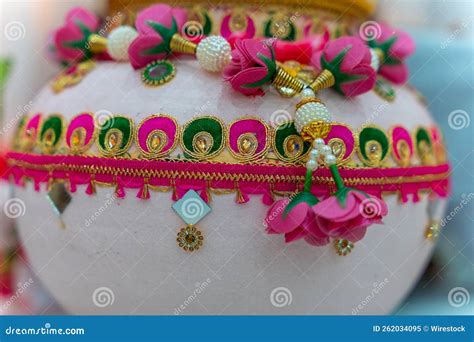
396,46
71,40
253,65
348,59
297,223
156,25
350,221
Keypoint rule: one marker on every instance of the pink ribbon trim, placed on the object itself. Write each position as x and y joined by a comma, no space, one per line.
248,179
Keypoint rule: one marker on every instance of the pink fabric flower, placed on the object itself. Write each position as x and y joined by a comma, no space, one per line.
253,65
298,223
348,59
396,46
71,40
301,50
349,221
156,25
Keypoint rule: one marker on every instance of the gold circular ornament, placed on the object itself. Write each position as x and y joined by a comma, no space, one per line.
190,238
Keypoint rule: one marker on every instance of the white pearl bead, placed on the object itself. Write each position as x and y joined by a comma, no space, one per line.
374,62
314,154
213,53
325,150
309,112
118,42
307,92
318,143
330,159
311,165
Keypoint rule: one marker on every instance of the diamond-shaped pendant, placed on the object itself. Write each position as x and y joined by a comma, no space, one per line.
59,198
191,208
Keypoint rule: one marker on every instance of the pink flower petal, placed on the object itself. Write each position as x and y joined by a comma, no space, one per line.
65,35
296,234
363,85
357,53
89,19
354,235
181,16
161,14
397,74
277,223
253,48
139,46
248,76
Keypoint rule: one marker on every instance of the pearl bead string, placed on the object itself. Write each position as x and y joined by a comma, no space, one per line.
320,151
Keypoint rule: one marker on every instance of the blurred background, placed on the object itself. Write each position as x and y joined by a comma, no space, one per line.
441,69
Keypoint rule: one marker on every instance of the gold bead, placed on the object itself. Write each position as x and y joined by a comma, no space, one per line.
181,45
324,80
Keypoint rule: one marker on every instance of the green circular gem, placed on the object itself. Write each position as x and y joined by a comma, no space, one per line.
158,72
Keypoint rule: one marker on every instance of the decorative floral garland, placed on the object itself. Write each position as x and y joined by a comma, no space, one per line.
248,140
347,64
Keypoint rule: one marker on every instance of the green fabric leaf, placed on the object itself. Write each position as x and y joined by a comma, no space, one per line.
302,197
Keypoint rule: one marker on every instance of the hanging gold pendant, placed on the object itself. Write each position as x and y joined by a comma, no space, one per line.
190,238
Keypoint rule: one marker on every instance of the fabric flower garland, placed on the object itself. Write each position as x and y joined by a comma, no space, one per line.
72,39
252,65
156,26
348,60
395,46
348,64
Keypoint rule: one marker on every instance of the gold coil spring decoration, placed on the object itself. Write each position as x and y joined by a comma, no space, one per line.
182,45
324,80
284,80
